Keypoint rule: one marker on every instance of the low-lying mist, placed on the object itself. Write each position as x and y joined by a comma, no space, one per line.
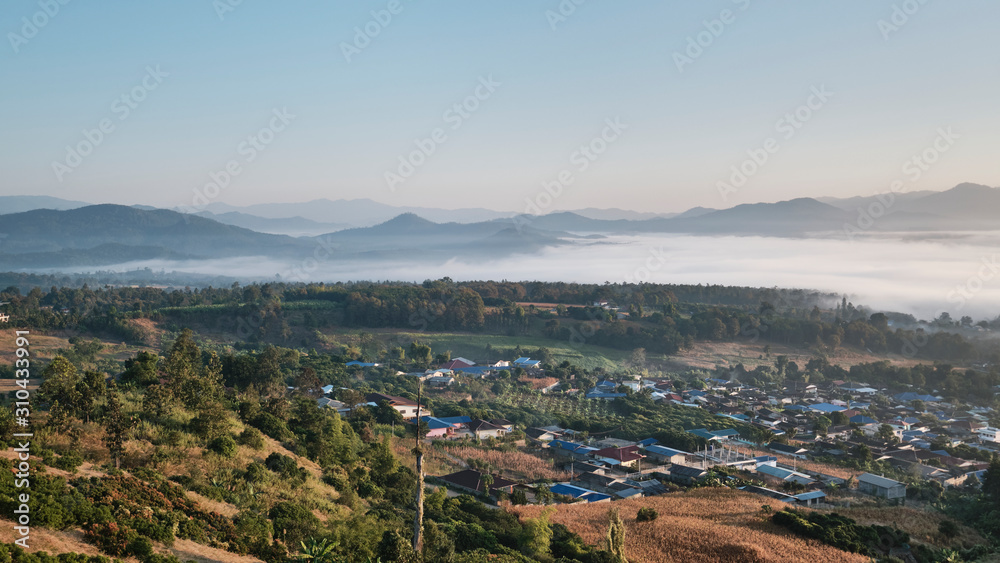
957,273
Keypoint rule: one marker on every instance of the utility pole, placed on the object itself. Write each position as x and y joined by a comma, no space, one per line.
418,519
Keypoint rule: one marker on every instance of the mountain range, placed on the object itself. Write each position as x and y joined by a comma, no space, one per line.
74,234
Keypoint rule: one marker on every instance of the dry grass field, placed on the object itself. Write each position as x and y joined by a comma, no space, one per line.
705,525
512,465
922,525
708,355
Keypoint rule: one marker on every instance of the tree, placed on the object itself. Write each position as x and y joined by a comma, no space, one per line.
991,482
293,523
392,547
638,358
536,536
420,354
307,382
141,370
60,381
887,433
821,425
616,536
117,426
438,547
487,483
92,386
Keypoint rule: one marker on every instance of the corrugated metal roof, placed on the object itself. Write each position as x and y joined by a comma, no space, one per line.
878,481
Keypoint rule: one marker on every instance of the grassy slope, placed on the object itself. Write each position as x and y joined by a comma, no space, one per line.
705,525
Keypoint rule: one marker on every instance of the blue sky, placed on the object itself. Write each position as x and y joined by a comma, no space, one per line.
556,83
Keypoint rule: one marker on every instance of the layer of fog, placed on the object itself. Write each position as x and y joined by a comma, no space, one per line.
959,274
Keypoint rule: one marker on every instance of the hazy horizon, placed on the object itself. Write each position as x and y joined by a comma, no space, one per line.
342,101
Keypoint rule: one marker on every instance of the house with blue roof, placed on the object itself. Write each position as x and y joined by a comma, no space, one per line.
862,420
527,363
782,474
439,428
575,492
827,408
648,442
571,449
355,363
910,396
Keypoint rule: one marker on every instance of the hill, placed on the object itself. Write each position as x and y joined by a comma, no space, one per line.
706,525
110,234
22,203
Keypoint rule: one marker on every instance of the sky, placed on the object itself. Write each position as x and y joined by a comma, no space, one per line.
524,106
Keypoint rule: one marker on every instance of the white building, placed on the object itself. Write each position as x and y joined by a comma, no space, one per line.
988,434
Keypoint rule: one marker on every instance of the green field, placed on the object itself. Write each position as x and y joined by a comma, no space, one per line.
473,346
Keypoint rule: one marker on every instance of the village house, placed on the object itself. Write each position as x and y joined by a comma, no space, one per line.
472,481
881,487
666,455
621,457
405,407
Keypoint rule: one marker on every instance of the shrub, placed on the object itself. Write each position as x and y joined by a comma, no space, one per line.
272,426
69,462
140,547
948,528
224,446
252,438
255,473
646,514
293,522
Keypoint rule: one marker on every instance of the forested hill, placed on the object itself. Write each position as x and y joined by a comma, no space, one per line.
662,319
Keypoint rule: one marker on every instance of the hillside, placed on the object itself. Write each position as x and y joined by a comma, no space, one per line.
707,525
49,231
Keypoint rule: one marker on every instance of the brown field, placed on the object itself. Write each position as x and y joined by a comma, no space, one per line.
514,465
922,525
71,541
537,383
42,346
707,355
832,470
705,525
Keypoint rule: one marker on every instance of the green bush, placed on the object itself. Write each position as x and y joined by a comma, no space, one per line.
646,514
224,446
272,426
255,473
140,547
252,438
69,462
